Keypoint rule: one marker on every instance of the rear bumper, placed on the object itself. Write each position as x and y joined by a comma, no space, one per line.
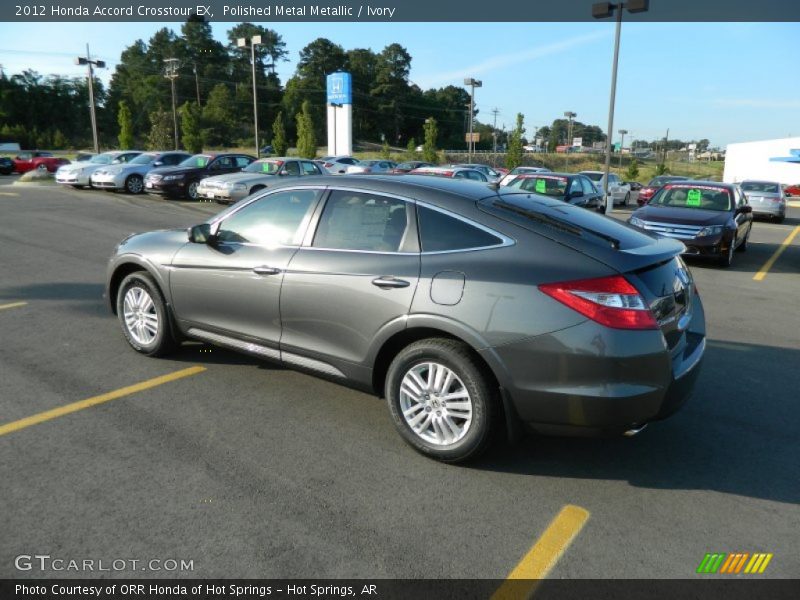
592,380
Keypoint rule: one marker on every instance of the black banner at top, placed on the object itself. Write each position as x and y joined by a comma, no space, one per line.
277,11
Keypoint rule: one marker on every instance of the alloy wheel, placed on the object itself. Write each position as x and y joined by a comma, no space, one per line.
140,315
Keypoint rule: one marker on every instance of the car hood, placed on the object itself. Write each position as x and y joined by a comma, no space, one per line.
234,177
74,167
683,216
159,246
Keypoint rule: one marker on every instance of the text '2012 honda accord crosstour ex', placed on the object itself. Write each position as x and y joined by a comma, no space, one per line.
472,310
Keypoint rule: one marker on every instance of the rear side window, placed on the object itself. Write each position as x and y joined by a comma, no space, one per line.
442,233
310,168
362,221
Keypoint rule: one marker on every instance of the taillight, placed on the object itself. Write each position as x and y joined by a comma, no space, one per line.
328,165
611,301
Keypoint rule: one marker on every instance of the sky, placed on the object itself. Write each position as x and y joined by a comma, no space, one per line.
728,82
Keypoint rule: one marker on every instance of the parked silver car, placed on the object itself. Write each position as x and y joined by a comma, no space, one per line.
130,176
336,165
766,197
258,175
78,174
371,167
466,307
619,191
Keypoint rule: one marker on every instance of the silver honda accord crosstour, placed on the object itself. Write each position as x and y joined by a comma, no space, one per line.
473,310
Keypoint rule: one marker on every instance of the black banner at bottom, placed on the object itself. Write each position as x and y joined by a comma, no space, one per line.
390,589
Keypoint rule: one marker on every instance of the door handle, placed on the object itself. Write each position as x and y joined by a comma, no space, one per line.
266,270
387,282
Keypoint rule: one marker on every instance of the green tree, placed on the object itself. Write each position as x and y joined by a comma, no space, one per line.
191,127
429,146
306,139
385,151
218,117
59,140
632,172
125,121
279,143
411,149
515,151
661,169
160,136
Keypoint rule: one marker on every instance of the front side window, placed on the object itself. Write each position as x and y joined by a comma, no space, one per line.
273,220
309,168
440,232
362,221
588,187
292,168
575,186
243,161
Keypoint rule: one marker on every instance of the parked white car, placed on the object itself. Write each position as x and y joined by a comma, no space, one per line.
619,191
517,171
78,174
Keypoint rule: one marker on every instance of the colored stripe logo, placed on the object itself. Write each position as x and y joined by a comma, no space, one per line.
734,563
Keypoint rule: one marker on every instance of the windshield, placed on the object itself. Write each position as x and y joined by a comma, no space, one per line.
594,176
143,159
693,196
102,159
196,161
267,167
545,185
755,186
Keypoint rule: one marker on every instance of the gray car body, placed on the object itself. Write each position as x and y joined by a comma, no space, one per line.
114,176
79,174
765,204
557,371
216,188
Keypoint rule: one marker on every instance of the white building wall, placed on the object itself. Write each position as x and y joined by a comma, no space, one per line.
751,160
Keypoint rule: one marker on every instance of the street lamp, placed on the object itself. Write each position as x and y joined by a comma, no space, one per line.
473,83
622,132
171,73
87,60
603,10
242,43
570,115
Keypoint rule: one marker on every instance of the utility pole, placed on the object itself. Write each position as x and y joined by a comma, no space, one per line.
666,143
99,64
622,132
473,83
494,130
171,73
196,83
570,115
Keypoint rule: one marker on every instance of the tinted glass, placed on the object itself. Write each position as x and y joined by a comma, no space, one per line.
440,232
587,186
575,186
271,221
292,168
594,176
693,196
143,159
196,161
172,159
243,161
361,221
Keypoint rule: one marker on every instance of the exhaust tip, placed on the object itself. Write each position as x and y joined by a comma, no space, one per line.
634,431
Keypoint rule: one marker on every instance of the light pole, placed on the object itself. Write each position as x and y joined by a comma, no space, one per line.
622,132
570,115
473,83
242,43
171,73
603,10
87,60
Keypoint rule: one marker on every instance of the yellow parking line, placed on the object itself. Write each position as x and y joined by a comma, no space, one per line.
12,305
95,400
9,194
768,265
543,555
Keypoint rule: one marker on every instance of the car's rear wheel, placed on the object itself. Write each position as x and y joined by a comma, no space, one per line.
143,315
191,190
134,184
441,400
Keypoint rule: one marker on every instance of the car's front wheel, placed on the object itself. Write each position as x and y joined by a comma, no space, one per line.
143,315
441,400
727,259
134,184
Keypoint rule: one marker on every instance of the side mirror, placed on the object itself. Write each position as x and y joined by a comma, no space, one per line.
201,234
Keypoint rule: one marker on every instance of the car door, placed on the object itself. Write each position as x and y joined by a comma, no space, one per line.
355,274
744,220
593,196
231,286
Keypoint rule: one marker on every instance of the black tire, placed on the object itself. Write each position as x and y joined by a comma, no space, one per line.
163,342
727,260
134,184
456,357
627,199
191,190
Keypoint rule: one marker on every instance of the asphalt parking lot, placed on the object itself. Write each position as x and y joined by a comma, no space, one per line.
251,470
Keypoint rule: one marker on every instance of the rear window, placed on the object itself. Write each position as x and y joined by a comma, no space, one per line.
755,186
704,197
546,185
441,233
269,167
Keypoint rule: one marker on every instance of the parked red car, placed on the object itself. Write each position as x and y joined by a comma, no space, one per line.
35,159
656,183
792,190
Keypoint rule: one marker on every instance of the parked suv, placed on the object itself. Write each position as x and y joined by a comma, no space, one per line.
470,310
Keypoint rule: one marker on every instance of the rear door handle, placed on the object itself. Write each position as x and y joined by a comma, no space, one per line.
266,270
387,282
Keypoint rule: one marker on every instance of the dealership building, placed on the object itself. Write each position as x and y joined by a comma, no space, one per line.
770,160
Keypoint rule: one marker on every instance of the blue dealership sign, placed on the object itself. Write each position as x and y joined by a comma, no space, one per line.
340,88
